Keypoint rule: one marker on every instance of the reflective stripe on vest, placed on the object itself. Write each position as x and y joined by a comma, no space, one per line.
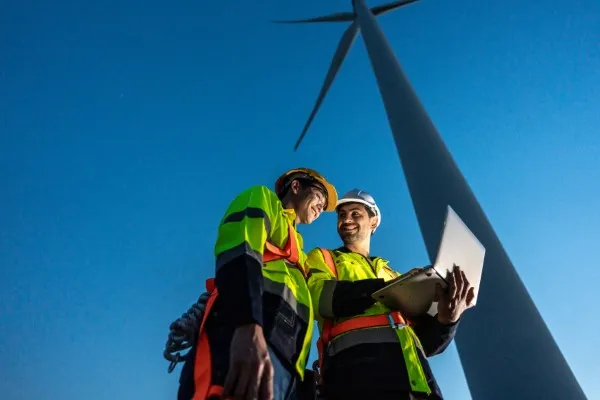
283,291
390,328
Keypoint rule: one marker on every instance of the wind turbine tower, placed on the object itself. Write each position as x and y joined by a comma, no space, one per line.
505,348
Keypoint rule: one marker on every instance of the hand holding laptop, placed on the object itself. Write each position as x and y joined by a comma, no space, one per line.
454,300
417,292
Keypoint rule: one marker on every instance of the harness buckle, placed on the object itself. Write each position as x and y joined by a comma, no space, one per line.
394,324
174,362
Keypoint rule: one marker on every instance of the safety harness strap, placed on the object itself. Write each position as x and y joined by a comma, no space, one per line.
329,261
203,365
369,321
289,253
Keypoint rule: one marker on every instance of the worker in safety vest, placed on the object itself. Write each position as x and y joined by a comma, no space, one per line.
256,327
366,351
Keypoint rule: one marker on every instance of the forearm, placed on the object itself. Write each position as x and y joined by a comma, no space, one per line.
434,336
240,285
347,298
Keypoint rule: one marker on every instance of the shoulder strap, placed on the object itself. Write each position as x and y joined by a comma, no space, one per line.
289,253
329,261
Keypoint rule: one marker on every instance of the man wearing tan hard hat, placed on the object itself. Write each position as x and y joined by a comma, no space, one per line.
251,331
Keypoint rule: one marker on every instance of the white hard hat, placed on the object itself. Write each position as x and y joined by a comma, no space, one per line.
360,196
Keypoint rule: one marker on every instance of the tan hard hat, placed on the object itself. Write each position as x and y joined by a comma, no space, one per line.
332,197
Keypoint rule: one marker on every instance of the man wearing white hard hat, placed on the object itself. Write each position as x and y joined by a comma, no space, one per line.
366,350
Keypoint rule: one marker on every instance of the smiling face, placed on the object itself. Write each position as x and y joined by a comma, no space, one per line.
354,223
309,202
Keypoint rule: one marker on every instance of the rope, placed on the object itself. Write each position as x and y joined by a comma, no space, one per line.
184,331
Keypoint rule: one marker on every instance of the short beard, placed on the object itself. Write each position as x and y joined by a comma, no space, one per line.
350,237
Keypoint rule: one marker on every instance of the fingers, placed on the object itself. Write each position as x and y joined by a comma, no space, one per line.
466,286
244,383
460,294
230,380
266,383
452,290
439,292
249,381
254,384
458,274
470,296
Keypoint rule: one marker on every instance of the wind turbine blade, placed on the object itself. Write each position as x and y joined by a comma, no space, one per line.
384,8
337,17
338,58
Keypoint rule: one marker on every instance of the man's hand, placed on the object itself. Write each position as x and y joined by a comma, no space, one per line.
453,302
250,373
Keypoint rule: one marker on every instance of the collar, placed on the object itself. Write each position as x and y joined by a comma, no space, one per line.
290,214
344,249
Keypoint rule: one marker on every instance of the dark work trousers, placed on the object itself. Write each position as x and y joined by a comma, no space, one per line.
372,371
375,393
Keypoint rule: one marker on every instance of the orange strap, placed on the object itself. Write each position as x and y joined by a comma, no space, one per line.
329,261
330,330
203,362
369,321
215,392
289,253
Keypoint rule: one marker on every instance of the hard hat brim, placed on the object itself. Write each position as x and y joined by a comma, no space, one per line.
332,199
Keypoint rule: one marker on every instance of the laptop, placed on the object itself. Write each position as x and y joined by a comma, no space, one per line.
413,293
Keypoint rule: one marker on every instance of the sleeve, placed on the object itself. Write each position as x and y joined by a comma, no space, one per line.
334,298
241,238
434,336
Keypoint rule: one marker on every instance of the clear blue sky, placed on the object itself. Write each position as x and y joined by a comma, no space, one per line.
126,127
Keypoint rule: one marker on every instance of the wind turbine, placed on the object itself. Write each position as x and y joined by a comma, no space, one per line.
505,348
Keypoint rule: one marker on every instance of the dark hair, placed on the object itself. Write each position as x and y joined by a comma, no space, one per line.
304,183
370,211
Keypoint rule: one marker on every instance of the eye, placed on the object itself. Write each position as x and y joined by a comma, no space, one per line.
322,201
319,195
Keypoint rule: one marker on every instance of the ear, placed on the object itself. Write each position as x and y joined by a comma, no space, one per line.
374,221
295,186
